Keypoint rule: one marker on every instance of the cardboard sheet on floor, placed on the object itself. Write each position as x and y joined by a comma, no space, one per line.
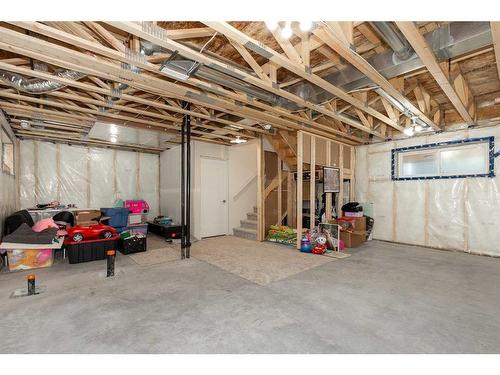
258,262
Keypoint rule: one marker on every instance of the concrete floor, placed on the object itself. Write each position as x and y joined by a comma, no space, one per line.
386,298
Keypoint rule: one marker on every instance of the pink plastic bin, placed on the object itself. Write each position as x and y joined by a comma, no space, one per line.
137,207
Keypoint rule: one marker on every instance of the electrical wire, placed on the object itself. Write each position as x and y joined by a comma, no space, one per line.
208,42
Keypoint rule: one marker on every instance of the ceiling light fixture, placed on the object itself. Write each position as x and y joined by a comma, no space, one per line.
305,26
25,124
113,129
174,73
238,140
287,32
409,131
272,25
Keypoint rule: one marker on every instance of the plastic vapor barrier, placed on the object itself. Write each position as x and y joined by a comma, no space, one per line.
455,214
101,177
7,189
73,175
86,177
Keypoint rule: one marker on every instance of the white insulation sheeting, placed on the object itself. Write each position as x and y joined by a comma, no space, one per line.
7,189
454,214
101,173
86,177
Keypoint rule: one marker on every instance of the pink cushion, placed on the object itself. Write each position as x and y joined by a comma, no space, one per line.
44,224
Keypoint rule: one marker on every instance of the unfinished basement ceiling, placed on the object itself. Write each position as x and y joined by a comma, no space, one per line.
121,134
243,80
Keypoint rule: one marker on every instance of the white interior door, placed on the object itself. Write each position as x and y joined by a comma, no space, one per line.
214,197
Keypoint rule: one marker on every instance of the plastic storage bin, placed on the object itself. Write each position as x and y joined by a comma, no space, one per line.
87,251
137,206
132,245
138,229
137,219
28,259
118,217
167,231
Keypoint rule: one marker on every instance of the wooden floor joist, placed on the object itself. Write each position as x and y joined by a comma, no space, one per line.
424,51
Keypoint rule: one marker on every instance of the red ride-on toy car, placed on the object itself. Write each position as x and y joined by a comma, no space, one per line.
80,233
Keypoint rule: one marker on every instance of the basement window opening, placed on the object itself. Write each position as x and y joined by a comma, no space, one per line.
454,159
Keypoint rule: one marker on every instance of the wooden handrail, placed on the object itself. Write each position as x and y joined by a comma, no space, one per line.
274,184
244,187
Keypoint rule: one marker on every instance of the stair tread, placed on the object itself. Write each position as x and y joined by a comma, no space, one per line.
249,221
247,230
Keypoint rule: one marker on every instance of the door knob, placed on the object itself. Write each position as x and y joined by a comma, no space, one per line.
224,201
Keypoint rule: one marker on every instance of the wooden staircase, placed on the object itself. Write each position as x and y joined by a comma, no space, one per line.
285,144
248,228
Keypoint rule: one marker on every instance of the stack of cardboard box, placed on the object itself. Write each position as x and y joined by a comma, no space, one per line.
352,230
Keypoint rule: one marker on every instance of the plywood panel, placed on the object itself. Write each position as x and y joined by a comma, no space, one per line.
347,157
321,145
334,154
271,166
307,148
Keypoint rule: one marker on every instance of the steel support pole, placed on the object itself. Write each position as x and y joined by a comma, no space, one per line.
183,190
187,120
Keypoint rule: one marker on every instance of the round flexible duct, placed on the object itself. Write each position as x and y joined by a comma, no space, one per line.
38,85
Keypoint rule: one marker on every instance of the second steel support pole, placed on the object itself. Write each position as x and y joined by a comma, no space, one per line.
183,189
187,119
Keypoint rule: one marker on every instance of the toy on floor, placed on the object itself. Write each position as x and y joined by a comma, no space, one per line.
305,244
319,249
80,233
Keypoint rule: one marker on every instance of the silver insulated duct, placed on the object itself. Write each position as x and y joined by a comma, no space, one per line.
395,39
447,42
38,85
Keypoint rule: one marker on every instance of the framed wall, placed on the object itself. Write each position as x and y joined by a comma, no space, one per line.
315,152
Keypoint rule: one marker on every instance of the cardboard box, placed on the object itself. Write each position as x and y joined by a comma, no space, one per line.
134,219
87,217
353,239
359,223
353,214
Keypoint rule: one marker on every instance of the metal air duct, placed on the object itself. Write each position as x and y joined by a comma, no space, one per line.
395,39
38,85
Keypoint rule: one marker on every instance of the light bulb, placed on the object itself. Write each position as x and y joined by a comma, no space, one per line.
287,32
408,131
305,26
418,128
271,25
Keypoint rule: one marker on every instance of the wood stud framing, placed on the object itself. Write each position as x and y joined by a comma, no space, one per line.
101,50
417,41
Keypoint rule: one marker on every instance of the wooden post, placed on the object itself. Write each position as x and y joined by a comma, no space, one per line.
115,179
289,199
58,172
328,203
280,191
260,190
352,196
89,180
340,197
312,184
300,160
17,166
35,169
